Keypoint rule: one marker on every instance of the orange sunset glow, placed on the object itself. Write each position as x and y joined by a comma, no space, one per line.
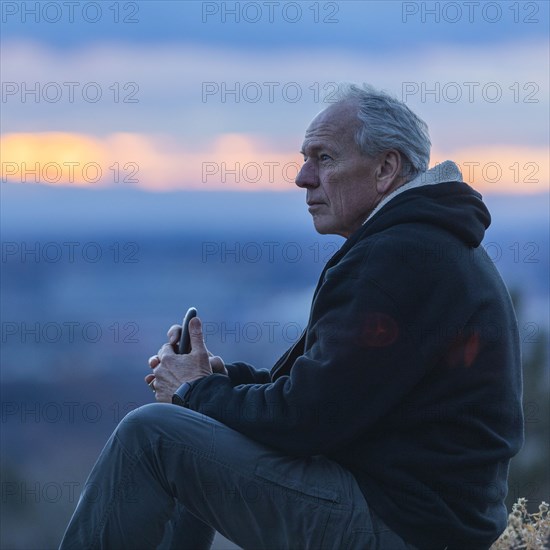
239,162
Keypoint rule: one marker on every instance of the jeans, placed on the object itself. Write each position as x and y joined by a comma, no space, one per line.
169,477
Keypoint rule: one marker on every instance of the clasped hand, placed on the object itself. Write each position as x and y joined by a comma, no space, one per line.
171,370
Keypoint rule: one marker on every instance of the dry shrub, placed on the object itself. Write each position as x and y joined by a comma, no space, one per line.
525,531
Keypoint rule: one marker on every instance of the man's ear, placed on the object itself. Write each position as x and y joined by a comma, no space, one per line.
388,172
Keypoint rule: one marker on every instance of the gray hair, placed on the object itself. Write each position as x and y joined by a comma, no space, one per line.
387,123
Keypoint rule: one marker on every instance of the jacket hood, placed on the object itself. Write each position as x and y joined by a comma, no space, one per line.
437,197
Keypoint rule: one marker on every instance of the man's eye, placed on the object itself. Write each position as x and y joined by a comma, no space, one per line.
324,156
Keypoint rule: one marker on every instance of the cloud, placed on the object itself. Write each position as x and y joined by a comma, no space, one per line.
236,162
464,93
501,169
231,162
173,116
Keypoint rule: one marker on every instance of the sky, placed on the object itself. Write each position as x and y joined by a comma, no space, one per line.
216,96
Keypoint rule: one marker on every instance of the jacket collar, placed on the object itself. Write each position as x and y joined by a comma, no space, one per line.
445,172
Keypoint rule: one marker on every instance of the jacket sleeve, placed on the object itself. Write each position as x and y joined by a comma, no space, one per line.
243,373
360,361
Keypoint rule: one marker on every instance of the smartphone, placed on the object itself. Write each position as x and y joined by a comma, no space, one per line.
185,340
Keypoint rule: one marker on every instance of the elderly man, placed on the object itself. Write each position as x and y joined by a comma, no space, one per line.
390,423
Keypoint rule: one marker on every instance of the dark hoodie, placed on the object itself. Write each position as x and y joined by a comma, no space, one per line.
408,373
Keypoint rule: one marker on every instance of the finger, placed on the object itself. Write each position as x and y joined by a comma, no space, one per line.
195,333
210,354
154,361
217,364
165,351
174,333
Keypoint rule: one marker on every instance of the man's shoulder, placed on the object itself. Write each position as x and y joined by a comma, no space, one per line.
392,241
399,254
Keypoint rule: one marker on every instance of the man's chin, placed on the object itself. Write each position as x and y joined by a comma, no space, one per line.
323,228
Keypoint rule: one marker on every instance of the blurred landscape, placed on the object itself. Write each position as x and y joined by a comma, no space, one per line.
91,280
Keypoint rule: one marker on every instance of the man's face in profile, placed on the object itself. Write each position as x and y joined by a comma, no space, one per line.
338,177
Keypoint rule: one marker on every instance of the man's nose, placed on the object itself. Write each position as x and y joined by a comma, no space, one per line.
308,175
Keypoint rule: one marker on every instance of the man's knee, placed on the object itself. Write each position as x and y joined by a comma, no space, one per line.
162,421
141,424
